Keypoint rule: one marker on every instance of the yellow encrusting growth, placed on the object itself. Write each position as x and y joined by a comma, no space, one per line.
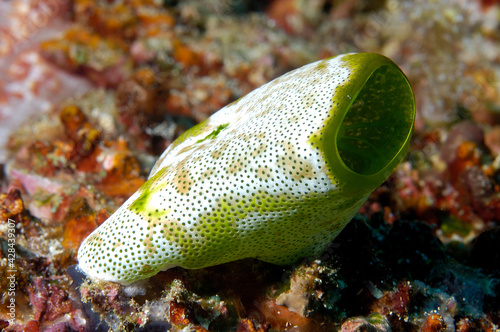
274,176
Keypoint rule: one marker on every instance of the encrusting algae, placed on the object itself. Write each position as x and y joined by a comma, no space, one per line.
276,175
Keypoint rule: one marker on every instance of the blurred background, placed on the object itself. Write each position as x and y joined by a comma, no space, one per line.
92,92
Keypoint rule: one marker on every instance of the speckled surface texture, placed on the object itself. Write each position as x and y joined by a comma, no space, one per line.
92,93
264,176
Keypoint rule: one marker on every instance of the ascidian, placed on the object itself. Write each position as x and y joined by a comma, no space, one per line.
276,175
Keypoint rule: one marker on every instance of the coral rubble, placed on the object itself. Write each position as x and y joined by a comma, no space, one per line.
105,86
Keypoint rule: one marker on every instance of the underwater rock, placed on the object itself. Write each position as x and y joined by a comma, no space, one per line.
375,322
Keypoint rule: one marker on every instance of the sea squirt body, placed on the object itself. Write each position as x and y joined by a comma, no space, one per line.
276,175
